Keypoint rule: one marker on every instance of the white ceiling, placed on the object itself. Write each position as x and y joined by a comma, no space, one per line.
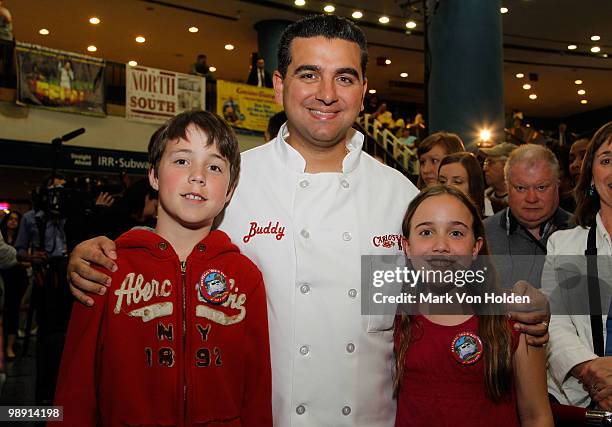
547,25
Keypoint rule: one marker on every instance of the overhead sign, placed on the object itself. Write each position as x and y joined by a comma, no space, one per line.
154,96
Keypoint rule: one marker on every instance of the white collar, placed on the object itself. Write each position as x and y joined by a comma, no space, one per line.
602,231
294,160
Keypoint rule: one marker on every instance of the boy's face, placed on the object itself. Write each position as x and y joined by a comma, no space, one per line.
192,180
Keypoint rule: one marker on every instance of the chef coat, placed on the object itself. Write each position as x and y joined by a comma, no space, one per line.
331,365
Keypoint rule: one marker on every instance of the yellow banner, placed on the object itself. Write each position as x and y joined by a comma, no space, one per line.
245,106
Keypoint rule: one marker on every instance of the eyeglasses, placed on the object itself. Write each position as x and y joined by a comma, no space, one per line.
489,161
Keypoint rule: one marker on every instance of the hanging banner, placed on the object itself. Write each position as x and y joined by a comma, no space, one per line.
58,80
245,106
154,96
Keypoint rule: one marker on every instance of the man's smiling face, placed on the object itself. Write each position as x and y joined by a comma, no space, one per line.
322,92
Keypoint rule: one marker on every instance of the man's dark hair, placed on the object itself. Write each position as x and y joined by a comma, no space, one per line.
328,26
275,122
201,56
215,128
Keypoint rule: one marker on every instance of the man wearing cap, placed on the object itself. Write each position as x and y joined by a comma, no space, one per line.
521,230
495,160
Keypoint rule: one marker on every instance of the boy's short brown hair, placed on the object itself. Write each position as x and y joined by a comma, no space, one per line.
215,128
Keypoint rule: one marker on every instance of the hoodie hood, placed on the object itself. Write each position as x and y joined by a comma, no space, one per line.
215,244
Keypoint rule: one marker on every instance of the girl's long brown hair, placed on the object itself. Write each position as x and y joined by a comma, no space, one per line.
493,329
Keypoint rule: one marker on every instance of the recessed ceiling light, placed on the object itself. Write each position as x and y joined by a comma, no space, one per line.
388,61
404,75
578,82
581,92
132,63
503,9
519,75
94,20
533,96
229,47
526,86
212,69
357,14
92,48
595,49
372,91
329,8
384,19
411,24
584,101
572,47
595,38
193,29
43,31
140,39
605,55
299,2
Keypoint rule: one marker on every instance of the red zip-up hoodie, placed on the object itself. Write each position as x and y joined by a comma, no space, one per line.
171,343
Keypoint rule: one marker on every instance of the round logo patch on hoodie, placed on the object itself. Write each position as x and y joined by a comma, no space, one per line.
212,287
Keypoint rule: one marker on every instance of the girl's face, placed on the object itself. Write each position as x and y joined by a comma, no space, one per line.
429,164
456,175
602,173
13,222
442,232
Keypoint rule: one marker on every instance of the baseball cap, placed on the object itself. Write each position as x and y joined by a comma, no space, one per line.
500,150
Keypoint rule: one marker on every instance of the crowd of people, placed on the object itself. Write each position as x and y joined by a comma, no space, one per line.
242,275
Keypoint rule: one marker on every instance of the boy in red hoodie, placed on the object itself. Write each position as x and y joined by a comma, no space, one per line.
181,339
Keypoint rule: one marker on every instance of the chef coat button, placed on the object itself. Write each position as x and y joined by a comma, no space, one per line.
201,247
305,288
346,410
350,347
346,236
300,410
345,184
304,350
162,245
305,234
304,183
352,293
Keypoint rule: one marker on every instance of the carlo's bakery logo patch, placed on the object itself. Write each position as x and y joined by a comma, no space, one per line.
273,229
388,241
216,290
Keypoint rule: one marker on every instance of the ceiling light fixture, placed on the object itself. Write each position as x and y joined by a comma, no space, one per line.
229,47
526,86
43,32
357,14
299,2
404,75
387,61
329,8
212,69
595,38
384,19
595,49
411,24
132,63
584,101
581,92
193,29
533,96
92,48
578,82
519,75
94,20
372,91
140,39
572,47
503,10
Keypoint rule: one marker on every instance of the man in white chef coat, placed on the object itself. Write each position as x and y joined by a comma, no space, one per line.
309,204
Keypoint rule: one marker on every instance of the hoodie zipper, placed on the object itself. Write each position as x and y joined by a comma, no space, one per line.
184,337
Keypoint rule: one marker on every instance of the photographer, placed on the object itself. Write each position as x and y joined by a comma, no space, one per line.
42,241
